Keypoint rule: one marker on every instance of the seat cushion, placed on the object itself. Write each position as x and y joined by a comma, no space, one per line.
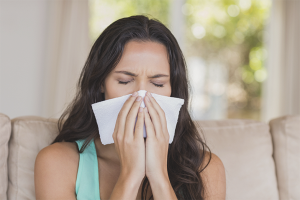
29,136
286,138
5,130
245,148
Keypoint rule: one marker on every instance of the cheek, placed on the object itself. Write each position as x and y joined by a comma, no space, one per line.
165,91
168,91
110,89
113,90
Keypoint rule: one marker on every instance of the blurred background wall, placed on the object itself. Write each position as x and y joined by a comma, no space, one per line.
242,55
23,31
44,45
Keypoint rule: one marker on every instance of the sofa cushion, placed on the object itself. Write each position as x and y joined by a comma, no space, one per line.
286,138
5,130
29,136
245,148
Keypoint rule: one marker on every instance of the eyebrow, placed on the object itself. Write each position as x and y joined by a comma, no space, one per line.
135,75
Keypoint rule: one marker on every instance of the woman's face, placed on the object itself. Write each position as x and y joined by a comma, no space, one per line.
143,66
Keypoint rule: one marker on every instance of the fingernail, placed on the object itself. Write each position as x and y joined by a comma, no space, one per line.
134,94
146,109
139,98
150,95
141,109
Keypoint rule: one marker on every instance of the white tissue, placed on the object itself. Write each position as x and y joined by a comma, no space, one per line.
106,113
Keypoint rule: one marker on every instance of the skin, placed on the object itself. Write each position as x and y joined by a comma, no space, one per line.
124,164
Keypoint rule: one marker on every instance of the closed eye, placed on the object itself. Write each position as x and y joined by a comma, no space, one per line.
157,85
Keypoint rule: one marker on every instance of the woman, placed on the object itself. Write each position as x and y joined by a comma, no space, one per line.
132,54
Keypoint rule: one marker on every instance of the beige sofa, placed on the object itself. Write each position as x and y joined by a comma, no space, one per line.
262,161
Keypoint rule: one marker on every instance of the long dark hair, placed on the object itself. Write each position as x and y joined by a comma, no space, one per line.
187,151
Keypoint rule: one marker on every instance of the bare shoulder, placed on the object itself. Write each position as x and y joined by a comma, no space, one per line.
214,177
55,171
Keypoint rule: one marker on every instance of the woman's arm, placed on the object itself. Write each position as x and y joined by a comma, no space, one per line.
55,172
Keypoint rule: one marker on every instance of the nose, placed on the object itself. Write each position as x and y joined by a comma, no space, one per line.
141,85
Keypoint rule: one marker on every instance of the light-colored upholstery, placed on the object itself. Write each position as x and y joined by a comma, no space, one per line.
29,136
5,130
244,146
286,140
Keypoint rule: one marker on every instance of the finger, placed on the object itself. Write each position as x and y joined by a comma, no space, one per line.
149,125
131,118
116,126
160,112
155,118
115,134
116,130
121,119
139,126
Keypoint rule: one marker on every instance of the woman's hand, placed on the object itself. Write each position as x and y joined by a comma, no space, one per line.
157,142
129,140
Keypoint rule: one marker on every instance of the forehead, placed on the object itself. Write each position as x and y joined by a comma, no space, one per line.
138,55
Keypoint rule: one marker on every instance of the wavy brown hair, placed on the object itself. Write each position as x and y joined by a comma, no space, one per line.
186,152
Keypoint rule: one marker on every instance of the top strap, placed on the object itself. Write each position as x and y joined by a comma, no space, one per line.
87,181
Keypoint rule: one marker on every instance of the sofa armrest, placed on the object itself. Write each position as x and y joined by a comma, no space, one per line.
5,130
286,140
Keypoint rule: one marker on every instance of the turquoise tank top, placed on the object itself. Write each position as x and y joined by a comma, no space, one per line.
87,181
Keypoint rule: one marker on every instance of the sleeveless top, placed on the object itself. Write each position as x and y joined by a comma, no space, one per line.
87,181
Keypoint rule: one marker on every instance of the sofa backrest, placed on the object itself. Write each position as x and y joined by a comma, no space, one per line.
245,147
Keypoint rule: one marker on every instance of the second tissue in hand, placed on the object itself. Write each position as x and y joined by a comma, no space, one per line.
106,113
